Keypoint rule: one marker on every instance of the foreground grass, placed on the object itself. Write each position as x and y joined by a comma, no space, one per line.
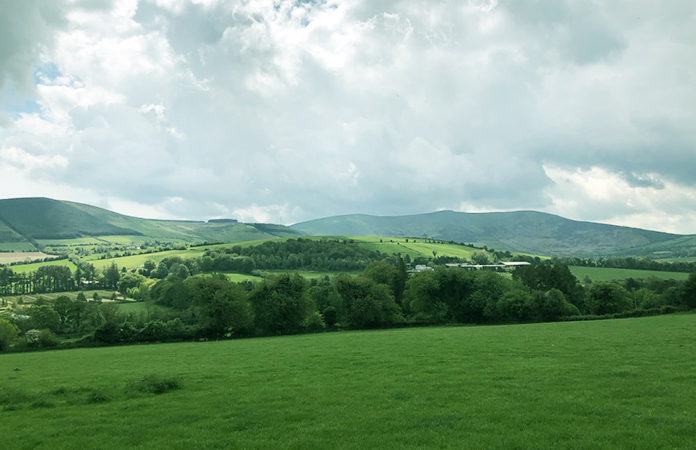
581,385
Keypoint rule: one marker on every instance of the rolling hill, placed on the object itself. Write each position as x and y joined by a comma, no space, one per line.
31,223
521,231
28,220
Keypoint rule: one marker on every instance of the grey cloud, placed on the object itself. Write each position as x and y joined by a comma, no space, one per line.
389,107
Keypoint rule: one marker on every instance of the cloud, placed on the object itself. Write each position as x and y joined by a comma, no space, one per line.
286,111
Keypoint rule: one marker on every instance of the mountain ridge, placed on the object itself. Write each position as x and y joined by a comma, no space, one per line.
521,231
30,220
39,218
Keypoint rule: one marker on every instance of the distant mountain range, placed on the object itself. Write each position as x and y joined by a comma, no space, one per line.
30,222
522,231
35,219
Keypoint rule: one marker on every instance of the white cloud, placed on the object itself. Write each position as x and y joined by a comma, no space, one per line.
285,111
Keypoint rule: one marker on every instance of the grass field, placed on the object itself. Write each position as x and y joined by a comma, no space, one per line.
89,294
11,257
16,246
609,274
138,260
615,384
24,268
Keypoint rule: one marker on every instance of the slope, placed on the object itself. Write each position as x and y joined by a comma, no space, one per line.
46,219
520,231
43,218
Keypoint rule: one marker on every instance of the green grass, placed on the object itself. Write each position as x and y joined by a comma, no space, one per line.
134,261
624,384
89,294
16,247
139,308
308,274
610,274
24,268
240,277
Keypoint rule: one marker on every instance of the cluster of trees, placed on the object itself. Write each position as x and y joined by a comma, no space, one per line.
58,278
630,263
182,306
327,255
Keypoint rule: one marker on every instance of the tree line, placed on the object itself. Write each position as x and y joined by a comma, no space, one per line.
181,306
629,263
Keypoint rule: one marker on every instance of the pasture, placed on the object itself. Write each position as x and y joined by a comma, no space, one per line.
614,384
25,268
16,247
611,274
13,257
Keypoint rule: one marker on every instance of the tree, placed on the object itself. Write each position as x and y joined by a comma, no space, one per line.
111,276
514,306
61,306
281,304
481,257
687,293
330,316
605,297
44,317
222,308
551,305
129,281
8,335
366,304
77,312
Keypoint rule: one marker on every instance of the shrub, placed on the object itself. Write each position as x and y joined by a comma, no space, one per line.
155,384
314,322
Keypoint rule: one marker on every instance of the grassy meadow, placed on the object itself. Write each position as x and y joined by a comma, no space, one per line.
25,268
614,384
611,274
13,257
16,247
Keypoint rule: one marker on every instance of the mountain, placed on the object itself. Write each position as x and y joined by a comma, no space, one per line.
27,223
34,219
521,231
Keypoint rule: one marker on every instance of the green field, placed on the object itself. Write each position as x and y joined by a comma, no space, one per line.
12,257
16,247
609,274
25,268
626,384
134,261
89,294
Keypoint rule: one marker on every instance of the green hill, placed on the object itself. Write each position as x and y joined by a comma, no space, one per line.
32,219
521,231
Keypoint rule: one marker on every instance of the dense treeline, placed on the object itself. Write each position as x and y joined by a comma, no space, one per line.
630,263
309,254
181,306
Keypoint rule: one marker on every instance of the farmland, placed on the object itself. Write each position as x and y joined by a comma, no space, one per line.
610,274
14,257
581,385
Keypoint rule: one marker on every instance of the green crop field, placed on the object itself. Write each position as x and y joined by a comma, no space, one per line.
134,261
614,384
610,274
25,268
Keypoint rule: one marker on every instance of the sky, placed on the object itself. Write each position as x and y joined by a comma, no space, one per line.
285,111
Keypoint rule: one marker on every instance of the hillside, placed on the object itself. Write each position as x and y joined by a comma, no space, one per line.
30,219
521,231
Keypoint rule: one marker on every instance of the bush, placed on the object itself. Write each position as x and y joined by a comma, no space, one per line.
154,384
330,316
314,322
